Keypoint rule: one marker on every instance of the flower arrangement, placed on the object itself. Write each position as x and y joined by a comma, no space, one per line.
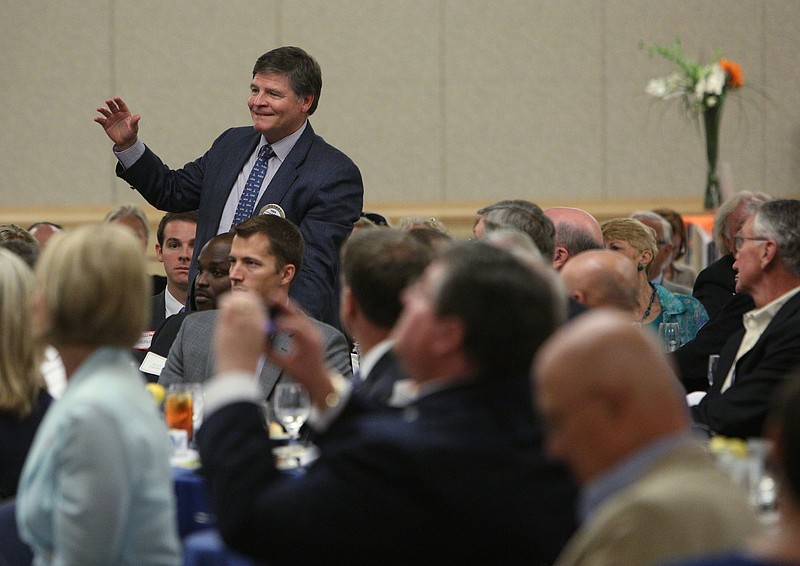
701,89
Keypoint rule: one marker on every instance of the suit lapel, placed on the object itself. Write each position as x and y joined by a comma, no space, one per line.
270,373
287,173
787,311
227,179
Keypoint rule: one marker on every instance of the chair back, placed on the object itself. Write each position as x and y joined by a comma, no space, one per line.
13,552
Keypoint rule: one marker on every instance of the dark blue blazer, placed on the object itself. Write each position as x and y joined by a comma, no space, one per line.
716,284
740,411
318,187
459,477
378,386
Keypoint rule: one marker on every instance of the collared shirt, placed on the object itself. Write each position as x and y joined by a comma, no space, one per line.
171,304
755,323
624,474
281,148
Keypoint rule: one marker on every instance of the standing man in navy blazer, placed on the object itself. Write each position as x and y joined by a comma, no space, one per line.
308,181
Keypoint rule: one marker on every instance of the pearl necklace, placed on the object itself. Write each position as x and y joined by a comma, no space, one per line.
650,304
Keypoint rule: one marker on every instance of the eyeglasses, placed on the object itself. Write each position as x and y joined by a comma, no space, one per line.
739,241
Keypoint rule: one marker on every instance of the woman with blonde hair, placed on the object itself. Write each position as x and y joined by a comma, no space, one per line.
636,241
97,486
23,396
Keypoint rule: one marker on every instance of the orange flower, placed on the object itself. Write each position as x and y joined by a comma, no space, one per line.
733,72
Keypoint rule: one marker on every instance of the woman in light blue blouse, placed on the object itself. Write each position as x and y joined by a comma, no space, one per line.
656,305
97,486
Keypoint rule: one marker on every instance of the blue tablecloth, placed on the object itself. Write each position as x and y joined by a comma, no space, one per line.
205,548
194,509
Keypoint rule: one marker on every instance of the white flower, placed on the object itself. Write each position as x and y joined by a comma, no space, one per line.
657,88
712,82
666,87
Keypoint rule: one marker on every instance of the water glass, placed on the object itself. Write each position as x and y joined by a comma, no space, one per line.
713,359
669,334
292,406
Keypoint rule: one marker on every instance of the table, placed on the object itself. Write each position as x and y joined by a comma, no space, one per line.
205,548
194,509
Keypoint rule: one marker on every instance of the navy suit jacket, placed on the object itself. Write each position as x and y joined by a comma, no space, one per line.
377,387
318,187
458,477
741,409
692,357
716,284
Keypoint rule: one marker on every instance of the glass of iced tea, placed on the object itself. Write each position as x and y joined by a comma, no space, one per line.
179,407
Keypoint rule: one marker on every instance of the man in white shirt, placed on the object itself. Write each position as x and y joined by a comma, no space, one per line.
174,248
755,360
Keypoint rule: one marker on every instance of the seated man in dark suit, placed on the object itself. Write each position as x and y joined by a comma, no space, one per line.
755,360
376,266
266,254
457,477
279,163
716,283
174,248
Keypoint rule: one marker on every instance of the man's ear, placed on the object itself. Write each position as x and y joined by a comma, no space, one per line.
306,102
348,303
287,273
560,257
159,254
449,335
769,253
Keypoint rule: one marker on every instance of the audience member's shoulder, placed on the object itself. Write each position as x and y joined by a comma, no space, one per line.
200,318
327,329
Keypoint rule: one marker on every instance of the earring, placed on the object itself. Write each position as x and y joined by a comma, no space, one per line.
640,267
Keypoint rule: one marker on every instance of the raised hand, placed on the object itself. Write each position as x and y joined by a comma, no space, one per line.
239,338
304,362
120,125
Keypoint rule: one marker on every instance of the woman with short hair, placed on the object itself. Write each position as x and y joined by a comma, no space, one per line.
97,486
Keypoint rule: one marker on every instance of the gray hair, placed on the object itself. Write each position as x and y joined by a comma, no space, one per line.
779,220
666,227
721,229
525,216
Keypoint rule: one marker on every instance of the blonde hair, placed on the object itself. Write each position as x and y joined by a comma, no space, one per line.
94,287
20,356
630,230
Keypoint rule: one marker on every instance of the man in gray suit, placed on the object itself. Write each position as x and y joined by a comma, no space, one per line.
266,254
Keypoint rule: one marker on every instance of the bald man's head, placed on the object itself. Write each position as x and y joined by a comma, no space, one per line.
602,278
606,391
576,232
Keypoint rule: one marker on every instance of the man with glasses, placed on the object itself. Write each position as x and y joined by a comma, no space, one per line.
755,360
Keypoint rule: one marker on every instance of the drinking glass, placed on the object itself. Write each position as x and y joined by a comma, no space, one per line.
712,367
669,334
183,407
292,406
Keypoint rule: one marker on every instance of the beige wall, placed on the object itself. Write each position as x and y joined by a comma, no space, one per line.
440,103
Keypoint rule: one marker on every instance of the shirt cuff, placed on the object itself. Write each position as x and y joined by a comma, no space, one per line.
321,420
227,388
131,155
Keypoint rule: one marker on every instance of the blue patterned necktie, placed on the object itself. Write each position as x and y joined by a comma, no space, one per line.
247,202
